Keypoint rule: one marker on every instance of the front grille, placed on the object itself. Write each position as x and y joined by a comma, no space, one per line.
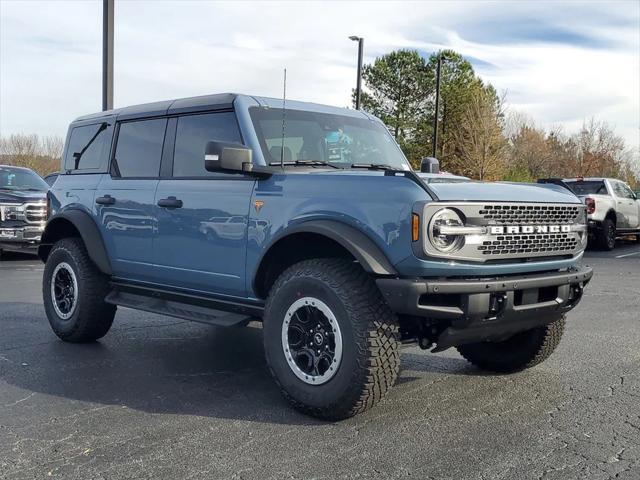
514,230
35,213
560,243
531,214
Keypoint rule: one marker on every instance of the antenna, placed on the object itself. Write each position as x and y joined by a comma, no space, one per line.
284,110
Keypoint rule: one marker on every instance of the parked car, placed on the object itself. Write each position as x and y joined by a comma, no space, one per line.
321,230
613,209
23,208
51,178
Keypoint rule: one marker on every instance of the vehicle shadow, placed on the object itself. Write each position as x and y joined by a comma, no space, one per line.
7,256
166,366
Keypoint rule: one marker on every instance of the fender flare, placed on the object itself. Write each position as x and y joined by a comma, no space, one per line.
88,230
363,249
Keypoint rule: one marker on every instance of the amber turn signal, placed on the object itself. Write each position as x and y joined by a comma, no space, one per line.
415,227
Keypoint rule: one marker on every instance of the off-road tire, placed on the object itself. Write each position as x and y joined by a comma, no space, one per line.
370,359
607,236
92,317
519,352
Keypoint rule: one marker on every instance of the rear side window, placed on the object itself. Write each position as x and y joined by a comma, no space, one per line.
88,147
139,149
589,187
192,134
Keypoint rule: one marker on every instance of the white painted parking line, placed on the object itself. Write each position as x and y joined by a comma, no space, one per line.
628,254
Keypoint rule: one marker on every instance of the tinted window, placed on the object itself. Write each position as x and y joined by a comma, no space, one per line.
595,187
88,147
193,133
139,148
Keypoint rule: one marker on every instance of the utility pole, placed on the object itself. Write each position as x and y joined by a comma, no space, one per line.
360,41
435,116
107,54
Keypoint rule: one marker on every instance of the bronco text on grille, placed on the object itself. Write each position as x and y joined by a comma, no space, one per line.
507,231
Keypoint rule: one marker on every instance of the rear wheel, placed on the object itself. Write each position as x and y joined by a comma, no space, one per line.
330,339
73,291
521,351
607,238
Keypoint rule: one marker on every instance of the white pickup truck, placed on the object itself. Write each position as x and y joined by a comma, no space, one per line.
613,209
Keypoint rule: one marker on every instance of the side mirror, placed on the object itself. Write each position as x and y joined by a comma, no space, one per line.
430,165
226,157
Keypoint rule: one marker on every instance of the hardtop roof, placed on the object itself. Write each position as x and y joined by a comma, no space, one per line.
219,101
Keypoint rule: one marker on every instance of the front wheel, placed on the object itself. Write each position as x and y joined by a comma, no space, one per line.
73,291
330,339
522,350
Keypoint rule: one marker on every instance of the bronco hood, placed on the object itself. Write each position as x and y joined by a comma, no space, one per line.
503,192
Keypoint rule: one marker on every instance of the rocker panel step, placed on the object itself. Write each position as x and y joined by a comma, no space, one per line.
177,309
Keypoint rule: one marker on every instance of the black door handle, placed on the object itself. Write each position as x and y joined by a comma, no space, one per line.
171,202
106,200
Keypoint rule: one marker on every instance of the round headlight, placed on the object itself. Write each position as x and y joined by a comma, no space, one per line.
442,242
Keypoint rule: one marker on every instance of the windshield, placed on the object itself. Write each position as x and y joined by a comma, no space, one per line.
339,140
595,187
21,179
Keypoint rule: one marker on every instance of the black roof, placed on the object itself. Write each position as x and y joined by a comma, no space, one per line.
219,101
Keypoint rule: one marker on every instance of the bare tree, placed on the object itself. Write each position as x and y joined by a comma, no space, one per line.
598,150
479,137
41,154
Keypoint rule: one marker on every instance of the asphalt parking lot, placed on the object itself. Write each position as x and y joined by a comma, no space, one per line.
163,398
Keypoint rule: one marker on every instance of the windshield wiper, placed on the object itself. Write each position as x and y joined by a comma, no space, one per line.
373,166
305,163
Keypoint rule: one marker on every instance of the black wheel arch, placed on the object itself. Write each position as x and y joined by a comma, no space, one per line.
76,223
337,238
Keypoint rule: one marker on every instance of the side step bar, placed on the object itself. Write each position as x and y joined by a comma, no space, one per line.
178,309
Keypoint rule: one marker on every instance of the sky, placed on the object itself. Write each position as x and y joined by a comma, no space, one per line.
559,62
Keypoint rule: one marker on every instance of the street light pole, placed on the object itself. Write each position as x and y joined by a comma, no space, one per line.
435,116
107,54
360,41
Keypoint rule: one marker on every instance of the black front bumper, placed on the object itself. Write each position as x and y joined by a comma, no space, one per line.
487,308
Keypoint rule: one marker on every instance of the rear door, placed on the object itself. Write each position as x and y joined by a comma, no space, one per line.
125,198
202,233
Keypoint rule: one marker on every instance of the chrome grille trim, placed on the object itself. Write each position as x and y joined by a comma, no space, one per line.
35,213
515,244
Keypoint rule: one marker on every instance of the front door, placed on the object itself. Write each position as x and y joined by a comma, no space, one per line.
125,199
627,206
202,216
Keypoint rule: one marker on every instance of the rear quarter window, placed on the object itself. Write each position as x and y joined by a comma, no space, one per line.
88,147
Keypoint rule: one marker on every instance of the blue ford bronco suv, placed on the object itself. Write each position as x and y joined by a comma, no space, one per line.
229,208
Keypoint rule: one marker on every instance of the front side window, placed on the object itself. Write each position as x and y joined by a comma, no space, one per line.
192,134
340,140
21,179
88,147
139,149
623,191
